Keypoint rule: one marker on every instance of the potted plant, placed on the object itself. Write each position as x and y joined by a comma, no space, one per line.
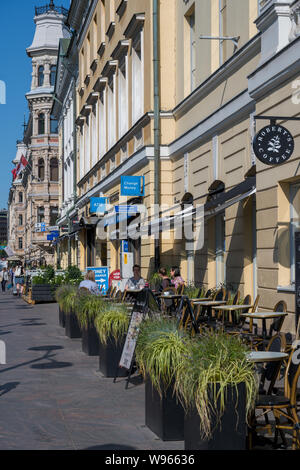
43,286
72,328
160,347
88,307
217,387
60,294
112,325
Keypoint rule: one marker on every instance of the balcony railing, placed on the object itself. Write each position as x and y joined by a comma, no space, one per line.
51,7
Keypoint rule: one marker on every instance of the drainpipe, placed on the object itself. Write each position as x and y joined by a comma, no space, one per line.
156,121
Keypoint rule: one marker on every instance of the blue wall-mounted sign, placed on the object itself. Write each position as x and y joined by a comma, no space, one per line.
50,238
55,234
125,246
98,205
132,185
101,277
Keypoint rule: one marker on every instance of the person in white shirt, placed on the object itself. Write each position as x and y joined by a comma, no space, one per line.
136,282
4,278
89,283
19,280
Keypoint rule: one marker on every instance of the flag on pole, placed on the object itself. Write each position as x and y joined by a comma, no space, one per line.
20,167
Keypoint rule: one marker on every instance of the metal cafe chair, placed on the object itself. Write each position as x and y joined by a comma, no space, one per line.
283,407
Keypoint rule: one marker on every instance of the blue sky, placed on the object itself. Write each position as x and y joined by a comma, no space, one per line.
16,34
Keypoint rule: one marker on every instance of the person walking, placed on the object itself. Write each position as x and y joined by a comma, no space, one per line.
4,278
19,280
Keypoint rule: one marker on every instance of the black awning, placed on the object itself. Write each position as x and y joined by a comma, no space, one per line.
88,222
224,197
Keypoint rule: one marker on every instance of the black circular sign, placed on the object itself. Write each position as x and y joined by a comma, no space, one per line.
273,145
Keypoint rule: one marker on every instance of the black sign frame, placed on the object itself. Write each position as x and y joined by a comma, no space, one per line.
265,136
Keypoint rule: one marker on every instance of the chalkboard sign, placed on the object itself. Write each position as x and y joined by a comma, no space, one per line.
297,277
144,306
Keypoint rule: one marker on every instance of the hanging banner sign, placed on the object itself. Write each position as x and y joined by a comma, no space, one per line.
132,185
98,205
273,145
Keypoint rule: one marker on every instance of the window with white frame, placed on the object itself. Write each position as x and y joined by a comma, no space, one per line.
137,77
81,154
192,50
112,163
87,146
294,223
102,123
111,111
123,97
94,136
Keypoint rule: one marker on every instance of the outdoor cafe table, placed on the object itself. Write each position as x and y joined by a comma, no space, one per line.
264,316
266,356
232,308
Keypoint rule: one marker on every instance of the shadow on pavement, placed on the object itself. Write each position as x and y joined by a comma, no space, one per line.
111,447
46,348
8,387
52,365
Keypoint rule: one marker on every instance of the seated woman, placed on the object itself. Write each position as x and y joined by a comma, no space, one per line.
89,283
177,280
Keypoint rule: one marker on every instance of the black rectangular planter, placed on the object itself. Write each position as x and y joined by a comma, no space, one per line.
229,434
109,358
72,328
90,340
42,293
164,415
61,318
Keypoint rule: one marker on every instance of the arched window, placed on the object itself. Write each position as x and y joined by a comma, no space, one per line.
41,169
41,126
53,169
41,75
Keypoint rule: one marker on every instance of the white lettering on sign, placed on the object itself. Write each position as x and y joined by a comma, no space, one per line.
2,353
131,339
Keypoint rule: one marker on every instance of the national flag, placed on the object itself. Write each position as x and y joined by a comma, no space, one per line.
14,172
22,165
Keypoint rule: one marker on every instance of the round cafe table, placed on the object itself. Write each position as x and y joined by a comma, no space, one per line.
266,356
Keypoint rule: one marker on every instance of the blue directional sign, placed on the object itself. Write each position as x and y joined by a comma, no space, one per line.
132,185
43,227
125,246
98,205
50,238
101,277
55,234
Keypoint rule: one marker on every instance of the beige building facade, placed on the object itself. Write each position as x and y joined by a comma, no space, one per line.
222,65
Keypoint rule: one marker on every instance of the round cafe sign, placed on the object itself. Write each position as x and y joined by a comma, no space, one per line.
273,145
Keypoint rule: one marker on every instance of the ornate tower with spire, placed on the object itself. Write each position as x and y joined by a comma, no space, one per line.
42,184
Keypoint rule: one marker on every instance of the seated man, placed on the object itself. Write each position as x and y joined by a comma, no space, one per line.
136,282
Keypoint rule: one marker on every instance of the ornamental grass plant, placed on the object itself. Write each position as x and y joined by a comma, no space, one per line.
112,322
159,351
88,307
211,365
67,297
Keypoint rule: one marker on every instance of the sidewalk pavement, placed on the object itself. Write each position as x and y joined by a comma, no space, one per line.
52,395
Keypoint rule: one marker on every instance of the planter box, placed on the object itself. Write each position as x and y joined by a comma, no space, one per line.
229,434
109,358
42,293
61,318
90,340
72,328
163,415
